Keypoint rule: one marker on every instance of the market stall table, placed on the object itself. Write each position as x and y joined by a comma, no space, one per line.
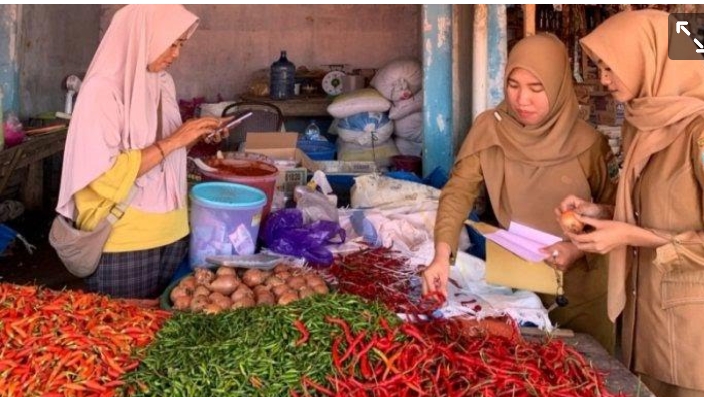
618,377
30,154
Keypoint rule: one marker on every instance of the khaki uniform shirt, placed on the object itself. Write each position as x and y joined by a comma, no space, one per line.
531,199
663,322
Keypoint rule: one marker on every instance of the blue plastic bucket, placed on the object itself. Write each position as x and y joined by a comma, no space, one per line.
225,220
318,150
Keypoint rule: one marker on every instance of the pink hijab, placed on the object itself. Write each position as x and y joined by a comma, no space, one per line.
116,109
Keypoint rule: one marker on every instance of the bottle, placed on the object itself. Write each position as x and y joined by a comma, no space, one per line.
282,78
312,132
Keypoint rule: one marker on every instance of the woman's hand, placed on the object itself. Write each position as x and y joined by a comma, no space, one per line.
605,235
584,207
435,276
193,129
562,255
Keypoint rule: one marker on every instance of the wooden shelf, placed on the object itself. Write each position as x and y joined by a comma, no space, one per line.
300,106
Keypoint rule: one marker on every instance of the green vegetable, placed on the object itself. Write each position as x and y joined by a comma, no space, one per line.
250,352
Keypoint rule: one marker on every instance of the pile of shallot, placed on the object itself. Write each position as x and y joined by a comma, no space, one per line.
229,288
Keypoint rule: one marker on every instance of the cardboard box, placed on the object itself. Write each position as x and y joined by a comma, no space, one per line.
503,267
292,162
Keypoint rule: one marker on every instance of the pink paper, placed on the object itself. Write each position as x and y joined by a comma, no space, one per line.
523,241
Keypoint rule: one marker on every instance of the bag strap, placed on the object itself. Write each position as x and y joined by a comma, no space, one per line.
118,210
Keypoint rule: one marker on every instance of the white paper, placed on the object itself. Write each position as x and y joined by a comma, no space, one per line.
523,241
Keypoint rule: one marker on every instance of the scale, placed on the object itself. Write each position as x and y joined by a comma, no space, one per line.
332,81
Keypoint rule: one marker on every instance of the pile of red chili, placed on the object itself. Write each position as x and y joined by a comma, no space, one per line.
376,274
439,358
69,343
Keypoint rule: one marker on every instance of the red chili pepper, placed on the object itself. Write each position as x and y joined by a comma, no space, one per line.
342,324
309,382
305,334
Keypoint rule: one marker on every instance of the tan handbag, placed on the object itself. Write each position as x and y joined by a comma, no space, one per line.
80,250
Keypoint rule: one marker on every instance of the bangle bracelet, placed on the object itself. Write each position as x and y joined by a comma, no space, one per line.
163,155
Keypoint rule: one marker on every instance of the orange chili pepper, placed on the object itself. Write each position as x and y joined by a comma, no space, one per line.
74,386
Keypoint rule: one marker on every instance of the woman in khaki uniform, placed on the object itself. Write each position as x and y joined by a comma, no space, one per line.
530,152
656,237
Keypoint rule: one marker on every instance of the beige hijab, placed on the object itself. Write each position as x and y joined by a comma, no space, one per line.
560,138
669,94
116,109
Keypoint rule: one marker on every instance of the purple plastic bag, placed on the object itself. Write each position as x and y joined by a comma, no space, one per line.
285,233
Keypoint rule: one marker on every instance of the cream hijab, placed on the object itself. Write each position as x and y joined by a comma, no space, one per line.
116,110
669,94
561,136
559,139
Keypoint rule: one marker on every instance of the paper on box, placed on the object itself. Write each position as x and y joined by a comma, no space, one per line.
507,268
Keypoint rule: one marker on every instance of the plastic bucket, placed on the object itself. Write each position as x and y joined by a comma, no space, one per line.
318,150
225,219
408,163
253,170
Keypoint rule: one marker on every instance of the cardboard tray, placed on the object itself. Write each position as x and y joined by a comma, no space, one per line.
503,267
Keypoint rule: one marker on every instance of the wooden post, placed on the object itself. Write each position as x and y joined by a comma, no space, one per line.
33,190
528,20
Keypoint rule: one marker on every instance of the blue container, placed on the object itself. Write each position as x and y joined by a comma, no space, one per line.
282,78
318,150
225,220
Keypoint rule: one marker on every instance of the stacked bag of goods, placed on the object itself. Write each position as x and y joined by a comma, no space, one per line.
407,115
401,81
363,127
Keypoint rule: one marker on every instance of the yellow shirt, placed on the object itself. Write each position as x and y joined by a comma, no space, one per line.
136,230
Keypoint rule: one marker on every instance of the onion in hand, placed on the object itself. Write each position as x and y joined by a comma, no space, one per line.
569,222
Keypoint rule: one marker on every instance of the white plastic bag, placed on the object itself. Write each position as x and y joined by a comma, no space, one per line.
404,107
373,190
410,127
359,101
362,128
399,79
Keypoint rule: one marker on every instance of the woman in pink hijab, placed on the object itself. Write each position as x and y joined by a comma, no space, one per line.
126,131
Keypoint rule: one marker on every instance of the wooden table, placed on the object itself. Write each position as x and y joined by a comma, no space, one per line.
24,165
299,106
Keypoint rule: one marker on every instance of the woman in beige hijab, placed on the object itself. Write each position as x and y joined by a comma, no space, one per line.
656,237
125,132
530,152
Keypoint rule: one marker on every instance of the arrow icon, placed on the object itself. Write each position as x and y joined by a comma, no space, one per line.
700,50
680,25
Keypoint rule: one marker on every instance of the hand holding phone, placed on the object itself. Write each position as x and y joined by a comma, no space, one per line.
229,125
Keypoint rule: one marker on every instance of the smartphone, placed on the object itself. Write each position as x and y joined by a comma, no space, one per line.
230,124
236,121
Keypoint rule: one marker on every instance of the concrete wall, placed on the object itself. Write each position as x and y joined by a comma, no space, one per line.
54,41
234,41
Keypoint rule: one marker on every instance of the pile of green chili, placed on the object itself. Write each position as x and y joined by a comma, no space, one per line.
260,351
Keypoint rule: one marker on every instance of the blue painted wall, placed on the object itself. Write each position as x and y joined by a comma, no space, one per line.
438,150
9,70
496,36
